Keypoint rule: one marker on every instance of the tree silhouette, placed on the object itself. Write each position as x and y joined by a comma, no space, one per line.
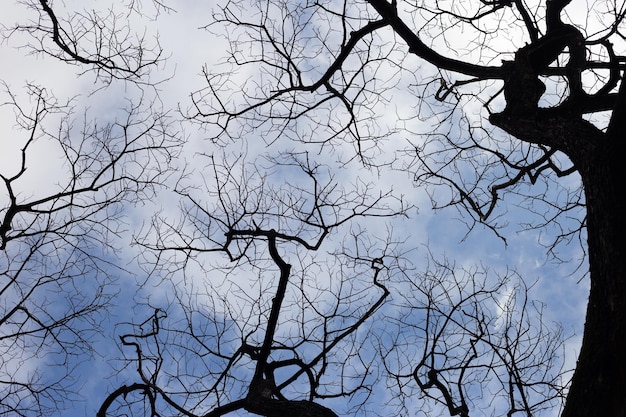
276,292
65,178
548,74
264,321
292,337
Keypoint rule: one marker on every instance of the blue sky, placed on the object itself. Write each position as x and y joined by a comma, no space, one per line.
222,292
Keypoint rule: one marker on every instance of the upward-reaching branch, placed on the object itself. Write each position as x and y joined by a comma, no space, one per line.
550,92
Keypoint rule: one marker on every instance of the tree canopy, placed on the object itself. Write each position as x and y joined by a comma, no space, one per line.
251,245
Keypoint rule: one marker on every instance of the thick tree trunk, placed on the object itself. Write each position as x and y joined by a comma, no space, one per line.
599,384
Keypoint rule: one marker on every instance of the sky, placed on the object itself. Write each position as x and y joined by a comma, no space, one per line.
218,289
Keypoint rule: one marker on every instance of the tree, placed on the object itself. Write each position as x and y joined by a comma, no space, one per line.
274,324
260,320
545,73
58,240
65,179
294,331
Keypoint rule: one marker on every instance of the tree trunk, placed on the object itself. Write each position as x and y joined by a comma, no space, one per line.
598,387
599,384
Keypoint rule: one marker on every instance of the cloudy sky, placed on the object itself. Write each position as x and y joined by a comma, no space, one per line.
140,285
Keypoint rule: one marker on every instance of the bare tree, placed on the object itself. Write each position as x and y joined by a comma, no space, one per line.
58,229
103,43
468,339
268,327
58,238
279,327
257,319
547,74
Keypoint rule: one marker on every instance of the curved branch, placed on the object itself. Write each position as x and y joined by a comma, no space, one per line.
133,59
389,13
533,32
124,390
